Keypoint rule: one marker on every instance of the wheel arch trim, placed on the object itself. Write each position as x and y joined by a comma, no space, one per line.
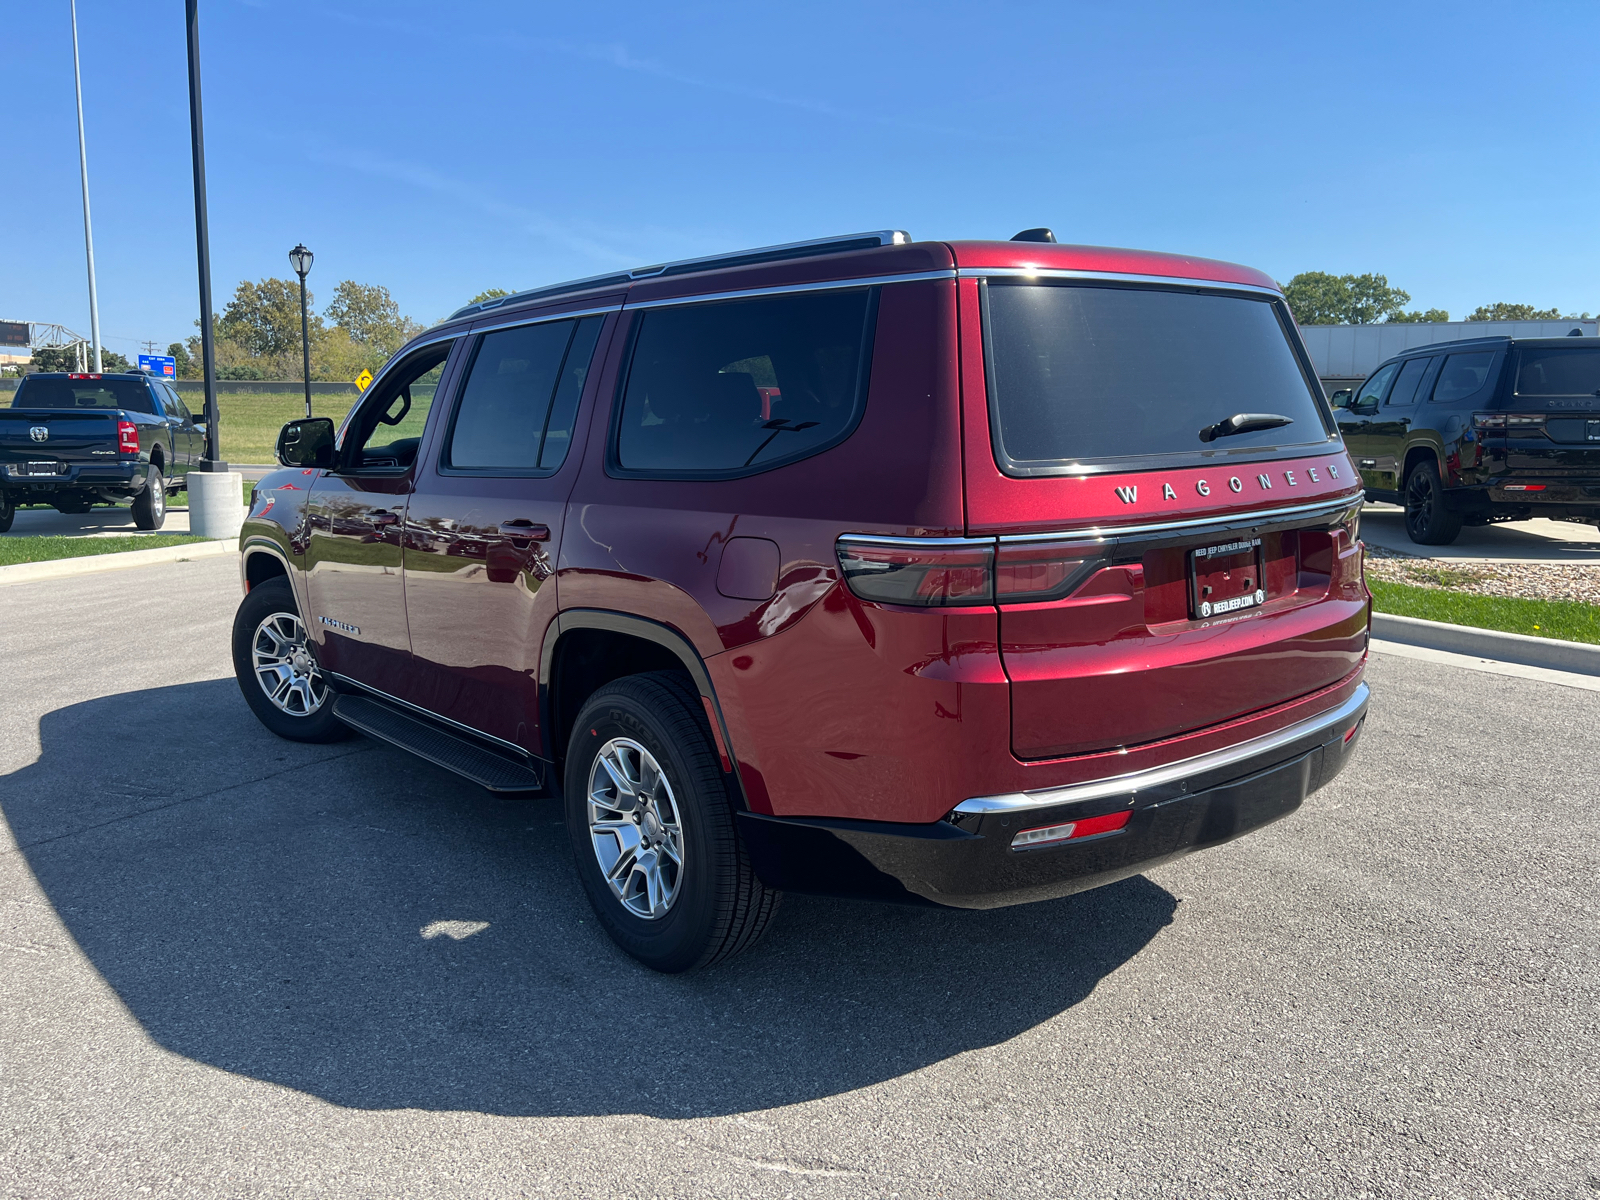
573,619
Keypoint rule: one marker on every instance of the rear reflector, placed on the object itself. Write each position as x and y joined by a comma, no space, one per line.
1525,487
1050,835
127,437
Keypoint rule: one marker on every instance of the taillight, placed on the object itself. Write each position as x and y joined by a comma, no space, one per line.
1040,570
1508,420
1525,487
921,573
942,573
1350,522
127,437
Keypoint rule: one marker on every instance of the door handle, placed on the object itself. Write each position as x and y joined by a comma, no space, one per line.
383,517
522,528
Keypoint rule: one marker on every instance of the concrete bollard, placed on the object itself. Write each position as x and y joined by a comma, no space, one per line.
216,504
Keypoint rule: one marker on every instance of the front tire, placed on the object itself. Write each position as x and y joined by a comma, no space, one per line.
277,669
652,828
150,505
1428,521
8,513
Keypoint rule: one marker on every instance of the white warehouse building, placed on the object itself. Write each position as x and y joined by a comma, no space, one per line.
1346,354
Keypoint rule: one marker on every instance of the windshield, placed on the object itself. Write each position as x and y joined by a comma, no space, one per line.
59,392
1084,373
1563,372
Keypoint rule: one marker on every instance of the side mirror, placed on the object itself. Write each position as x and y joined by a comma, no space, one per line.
1341,398
308,442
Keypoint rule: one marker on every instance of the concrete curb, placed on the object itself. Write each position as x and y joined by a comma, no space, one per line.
88,564
1488,643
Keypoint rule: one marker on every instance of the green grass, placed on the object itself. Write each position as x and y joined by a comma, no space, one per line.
1564,619
251,420
15,550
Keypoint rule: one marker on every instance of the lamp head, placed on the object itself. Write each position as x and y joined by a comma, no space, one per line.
300,259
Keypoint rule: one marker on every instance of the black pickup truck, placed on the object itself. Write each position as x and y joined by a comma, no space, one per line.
74,441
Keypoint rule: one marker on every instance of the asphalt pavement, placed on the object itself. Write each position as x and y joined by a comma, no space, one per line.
236,966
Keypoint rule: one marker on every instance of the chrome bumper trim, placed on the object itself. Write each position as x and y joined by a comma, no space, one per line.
1136,781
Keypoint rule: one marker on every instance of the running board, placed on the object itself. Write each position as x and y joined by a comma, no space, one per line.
492,769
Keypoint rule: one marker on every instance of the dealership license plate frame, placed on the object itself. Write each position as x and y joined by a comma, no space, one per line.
1216,586
37,470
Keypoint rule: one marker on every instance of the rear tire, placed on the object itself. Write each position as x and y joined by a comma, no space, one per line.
656,850
1428,521
277,669
150,505
8,513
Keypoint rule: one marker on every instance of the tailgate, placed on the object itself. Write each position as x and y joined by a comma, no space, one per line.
1171,634
71,437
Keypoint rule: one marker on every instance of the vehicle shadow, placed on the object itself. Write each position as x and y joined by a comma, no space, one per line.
354,924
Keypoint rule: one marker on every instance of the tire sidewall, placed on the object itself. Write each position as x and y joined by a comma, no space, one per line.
678,940
264,599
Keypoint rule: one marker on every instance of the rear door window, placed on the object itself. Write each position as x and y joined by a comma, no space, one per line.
1084,374
517,407
732,388
1465,377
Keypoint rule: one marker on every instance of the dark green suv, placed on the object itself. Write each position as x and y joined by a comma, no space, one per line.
1474,432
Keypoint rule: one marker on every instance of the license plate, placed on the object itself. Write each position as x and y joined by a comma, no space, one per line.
40,468
1225,579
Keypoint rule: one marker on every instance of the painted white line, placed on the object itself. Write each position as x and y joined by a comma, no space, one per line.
88,564
1469,662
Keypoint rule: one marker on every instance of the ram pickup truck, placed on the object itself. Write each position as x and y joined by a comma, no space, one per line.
74,441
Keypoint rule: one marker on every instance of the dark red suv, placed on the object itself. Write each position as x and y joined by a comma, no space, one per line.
964,573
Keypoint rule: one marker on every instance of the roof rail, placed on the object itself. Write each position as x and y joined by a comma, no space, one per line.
685,266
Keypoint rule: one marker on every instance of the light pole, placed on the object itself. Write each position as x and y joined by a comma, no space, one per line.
83,170
300,259
202,237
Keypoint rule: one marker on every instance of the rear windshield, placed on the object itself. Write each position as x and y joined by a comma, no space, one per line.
1563,372
1081,374
129,394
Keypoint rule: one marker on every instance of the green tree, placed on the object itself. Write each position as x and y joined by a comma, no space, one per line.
1412,317
1318,298
488,294
66,359
1513,312
185,364
369,314
263,319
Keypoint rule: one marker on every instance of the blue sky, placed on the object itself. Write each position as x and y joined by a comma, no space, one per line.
444,148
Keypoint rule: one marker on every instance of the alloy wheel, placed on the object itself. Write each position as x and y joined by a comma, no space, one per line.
284,666
1419,502
636,828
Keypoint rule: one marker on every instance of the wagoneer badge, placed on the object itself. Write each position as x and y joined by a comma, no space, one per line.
1129,493
39,433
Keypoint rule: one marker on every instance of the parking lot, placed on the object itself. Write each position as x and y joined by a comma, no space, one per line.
231,965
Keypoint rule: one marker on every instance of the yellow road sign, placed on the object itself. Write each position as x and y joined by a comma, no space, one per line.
362,380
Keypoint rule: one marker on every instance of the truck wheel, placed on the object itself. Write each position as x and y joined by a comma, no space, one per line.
652,828
276,669
1428,521
150,505
8,513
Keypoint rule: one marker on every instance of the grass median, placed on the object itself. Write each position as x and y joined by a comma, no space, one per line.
15,550
1565,620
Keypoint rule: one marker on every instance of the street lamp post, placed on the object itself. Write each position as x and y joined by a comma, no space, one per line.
202,236
300,259
83,170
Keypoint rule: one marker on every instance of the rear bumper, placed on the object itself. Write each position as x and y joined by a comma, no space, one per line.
966,860
121,476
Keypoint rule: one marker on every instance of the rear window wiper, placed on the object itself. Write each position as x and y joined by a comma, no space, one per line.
1243,423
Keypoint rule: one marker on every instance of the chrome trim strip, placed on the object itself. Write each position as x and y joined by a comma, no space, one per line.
830,285
913,543
1136,781
542,319
1114,276
417,708
1243,518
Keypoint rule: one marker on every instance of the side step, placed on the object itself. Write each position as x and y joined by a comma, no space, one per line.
492,769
